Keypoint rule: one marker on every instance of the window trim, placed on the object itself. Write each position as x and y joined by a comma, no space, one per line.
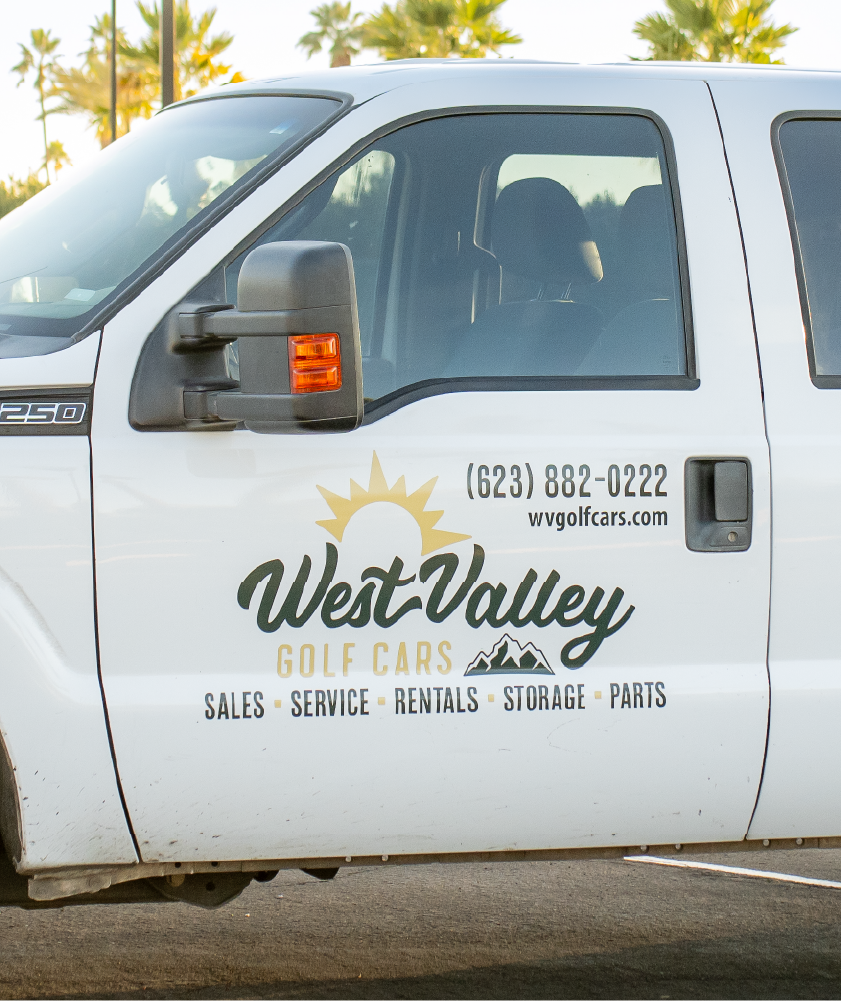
388,404
416,391
819,381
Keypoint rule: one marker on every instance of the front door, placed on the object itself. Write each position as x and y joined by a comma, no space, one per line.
525,605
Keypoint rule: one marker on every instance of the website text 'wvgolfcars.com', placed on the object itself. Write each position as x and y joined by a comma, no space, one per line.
586,517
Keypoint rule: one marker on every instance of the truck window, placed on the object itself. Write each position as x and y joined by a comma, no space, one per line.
809,166
77,245
506,245
350,209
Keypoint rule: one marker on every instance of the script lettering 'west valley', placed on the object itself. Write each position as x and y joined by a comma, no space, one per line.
484,602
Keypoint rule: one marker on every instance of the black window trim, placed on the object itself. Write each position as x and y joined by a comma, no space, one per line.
416,391
385,405
819,381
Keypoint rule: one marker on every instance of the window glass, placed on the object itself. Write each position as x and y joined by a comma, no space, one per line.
810,151
74,245
349,209
506,245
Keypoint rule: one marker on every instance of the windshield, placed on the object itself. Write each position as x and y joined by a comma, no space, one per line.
81,241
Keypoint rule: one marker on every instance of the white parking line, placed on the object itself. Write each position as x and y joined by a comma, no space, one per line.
737,870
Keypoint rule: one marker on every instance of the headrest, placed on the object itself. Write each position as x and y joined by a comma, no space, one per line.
538,231
644,242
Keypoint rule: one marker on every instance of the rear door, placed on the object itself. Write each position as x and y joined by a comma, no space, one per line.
525,605
782,137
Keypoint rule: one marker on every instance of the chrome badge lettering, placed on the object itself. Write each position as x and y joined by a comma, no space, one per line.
42,412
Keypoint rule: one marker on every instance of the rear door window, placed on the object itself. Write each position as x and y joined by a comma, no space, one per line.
507,247
809,166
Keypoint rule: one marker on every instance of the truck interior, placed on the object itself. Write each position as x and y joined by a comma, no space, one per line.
497,246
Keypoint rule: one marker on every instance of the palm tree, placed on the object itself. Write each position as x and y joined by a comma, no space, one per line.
39,58
335,26
197,53
17,190
753,39
714,31
438,29
57,156
395,35
87,89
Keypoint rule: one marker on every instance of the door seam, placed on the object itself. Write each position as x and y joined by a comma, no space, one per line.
96,618
768,453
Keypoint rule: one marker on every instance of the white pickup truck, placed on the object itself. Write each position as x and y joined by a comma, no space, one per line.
266,369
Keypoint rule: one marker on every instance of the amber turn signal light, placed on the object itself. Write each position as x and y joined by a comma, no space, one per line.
315,364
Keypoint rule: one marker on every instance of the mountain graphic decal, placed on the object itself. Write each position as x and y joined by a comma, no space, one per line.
509,657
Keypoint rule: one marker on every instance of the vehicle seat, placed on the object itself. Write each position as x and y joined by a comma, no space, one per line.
645,245
646,337
538,233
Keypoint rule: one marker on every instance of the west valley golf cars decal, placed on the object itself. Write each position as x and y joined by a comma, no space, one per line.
444,589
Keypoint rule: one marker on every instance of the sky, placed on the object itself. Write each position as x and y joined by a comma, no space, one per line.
266,31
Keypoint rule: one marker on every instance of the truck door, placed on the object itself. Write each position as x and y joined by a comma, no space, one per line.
790,217
525,605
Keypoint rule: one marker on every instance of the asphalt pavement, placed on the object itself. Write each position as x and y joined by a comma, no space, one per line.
602,929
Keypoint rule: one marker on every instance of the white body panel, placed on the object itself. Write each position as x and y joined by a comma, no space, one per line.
74,366
800,795
51,714
182,518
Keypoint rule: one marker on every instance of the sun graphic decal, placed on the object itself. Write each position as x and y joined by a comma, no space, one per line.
378,490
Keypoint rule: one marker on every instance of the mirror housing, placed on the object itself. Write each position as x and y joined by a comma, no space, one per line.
299,342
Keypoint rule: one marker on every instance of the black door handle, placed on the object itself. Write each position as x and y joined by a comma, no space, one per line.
717,504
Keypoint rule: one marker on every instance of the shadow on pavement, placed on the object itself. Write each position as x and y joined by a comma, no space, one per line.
768,966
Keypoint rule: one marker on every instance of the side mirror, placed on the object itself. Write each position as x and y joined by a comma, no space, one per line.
299,342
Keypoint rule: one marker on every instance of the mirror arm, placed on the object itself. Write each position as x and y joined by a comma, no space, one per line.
197,329
192,326
267,404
